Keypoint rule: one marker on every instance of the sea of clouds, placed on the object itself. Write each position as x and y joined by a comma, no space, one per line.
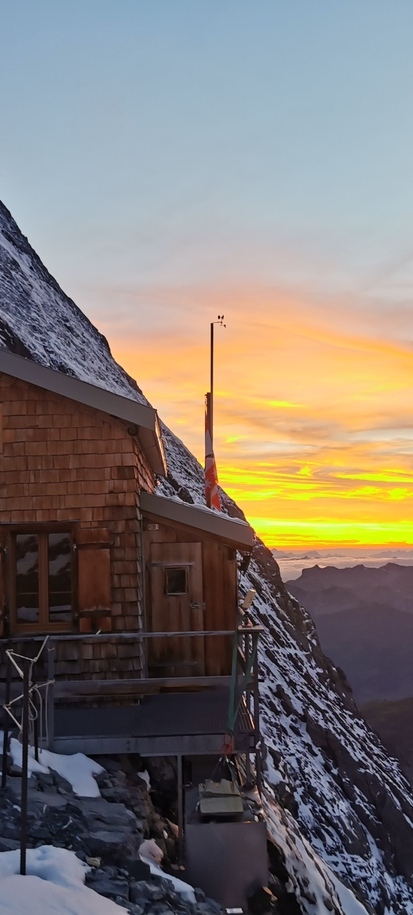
292,563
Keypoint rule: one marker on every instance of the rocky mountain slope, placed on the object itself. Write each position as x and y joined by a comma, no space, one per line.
393,721
364,620
338,808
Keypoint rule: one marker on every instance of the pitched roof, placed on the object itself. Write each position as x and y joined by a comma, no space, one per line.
232,531
145,418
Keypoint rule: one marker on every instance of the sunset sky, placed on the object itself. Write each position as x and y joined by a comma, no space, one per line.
172,160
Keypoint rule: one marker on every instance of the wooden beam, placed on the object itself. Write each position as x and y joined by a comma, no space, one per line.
66,689
76,688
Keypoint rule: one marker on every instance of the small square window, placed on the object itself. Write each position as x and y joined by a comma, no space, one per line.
176,581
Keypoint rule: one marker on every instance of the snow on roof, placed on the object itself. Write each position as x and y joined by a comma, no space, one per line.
137,414
231,530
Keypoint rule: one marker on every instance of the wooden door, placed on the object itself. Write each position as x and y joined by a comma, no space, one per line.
176,605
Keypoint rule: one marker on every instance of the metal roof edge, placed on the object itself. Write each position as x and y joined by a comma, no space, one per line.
140,415
231,530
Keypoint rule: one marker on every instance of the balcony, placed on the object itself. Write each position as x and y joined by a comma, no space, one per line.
118,713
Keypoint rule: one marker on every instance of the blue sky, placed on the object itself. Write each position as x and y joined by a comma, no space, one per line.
172,159
173,137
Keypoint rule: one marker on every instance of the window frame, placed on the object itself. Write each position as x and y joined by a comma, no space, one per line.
41,530
176,568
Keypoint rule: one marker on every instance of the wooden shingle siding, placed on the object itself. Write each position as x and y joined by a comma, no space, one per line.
101,659
98,660
61,461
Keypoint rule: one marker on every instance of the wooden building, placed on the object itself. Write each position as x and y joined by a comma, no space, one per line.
73,459
137,592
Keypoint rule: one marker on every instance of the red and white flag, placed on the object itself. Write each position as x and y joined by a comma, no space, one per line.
211,476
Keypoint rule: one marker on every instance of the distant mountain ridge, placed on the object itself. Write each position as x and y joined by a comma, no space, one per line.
358,554
338,807
292,563
331,587
364,620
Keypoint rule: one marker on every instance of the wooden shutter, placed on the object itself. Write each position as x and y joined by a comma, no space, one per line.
93,579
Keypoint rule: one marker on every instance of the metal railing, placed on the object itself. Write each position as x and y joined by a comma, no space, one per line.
242,682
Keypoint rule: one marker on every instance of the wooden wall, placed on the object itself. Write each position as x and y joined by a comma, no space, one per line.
62,461
219,581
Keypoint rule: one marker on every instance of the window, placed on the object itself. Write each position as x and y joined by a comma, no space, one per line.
40,578
176,581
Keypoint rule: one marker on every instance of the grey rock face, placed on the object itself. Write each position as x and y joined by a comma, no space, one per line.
98,831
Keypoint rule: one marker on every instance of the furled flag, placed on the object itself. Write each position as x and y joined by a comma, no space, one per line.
211,476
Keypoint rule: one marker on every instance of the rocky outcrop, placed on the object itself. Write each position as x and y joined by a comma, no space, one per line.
106,833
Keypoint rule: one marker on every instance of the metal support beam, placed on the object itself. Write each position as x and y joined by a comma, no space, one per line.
6,726
50,697
181,838
25,759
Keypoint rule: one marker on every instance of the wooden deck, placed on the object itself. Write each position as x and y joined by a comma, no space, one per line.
162,725
182,716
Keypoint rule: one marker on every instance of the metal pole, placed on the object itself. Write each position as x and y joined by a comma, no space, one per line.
36,710
256,694
49,710
180,810
25,754
6,725
211,387
211,378
248,702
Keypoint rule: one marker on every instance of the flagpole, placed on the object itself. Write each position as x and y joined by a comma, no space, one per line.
211,386
211,377
211,478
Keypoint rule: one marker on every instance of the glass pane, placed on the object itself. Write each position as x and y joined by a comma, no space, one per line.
176,581
27,578
60,578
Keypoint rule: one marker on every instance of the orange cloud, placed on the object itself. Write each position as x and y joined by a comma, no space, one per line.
313,431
